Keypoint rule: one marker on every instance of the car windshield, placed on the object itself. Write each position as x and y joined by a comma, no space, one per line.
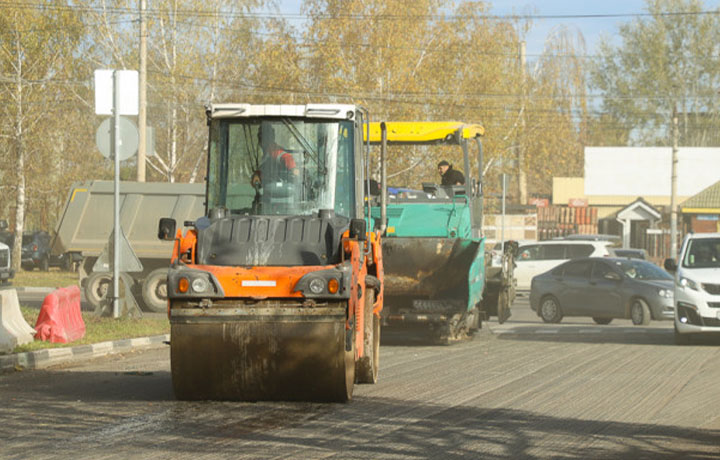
281,166
639,270
702,253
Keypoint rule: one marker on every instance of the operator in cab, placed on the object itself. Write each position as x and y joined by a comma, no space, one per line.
276,159
449,175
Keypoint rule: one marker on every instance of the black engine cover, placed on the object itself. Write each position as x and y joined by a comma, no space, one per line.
271,241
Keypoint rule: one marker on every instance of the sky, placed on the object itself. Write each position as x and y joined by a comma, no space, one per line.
593,29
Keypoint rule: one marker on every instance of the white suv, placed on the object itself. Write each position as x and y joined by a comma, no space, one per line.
537,258
697,286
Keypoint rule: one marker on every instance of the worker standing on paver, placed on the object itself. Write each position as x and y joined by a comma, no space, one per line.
449,175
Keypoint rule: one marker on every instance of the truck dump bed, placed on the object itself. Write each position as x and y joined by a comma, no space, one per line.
87,219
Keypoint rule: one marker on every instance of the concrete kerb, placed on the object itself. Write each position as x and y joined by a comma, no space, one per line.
53,356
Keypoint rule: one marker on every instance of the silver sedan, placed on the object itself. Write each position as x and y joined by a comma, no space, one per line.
603,289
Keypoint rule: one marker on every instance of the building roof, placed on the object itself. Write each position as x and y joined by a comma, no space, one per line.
707,201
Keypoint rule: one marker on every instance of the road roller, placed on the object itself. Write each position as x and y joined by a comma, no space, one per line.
275,293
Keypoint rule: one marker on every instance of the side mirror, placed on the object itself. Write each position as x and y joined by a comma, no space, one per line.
357,229
167,229
612,276
670,265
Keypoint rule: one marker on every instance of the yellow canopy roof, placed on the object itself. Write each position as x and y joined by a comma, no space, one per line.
423,132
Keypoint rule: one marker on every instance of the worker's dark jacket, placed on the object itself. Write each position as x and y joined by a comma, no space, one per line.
452,177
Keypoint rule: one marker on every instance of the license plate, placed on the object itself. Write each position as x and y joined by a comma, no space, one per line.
258,283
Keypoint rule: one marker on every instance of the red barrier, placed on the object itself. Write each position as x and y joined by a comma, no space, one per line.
60,320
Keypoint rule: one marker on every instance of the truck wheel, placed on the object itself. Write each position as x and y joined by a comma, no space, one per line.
550,311
640,313
154,290
98,287
44,264
366,368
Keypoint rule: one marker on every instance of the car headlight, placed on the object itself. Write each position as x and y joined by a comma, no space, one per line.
667,293
200,285
687,282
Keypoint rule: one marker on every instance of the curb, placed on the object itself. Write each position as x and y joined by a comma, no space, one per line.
52,356
43,290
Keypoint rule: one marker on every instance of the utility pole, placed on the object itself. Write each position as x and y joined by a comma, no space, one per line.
522,178
142,93
673,193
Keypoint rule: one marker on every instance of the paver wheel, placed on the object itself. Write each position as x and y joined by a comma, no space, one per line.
602,321
640,313
550,311
154,290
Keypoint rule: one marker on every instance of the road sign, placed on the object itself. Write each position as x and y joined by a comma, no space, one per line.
127,143
127,81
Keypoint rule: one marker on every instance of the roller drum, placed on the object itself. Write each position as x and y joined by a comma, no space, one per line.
252,354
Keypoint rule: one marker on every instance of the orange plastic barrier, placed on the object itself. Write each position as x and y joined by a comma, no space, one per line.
60,320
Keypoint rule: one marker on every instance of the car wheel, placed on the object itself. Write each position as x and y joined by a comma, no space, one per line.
67,263
602,321
681,339
640,313
550,311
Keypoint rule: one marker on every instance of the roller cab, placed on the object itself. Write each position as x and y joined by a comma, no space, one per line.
275,294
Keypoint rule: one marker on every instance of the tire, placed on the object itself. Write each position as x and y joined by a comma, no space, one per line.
681,339
602,321
98,286
154,290
66,264
640,313
367,367
549,310
44,264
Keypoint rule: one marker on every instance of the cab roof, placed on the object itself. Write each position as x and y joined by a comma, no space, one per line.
424,132
237,110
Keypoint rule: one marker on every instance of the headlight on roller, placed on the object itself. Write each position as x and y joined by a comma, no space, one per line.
200,285
317,286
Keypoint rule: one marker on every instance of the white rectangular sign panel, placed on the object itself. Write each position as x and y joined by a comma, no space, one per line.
645,171
128,83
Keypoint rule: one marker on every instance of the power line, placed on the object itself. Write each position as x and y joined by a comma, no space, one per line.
380,16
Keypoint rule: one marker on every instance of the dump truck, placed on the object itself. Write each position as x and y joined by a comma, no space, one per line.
84,227
436,270
276,292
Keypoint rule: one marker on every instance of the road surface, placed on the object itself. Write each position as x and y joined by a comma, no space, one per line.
519,390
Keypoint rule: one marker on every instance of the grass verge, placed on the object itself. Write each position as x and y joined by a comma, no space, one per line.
98,330
52,279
